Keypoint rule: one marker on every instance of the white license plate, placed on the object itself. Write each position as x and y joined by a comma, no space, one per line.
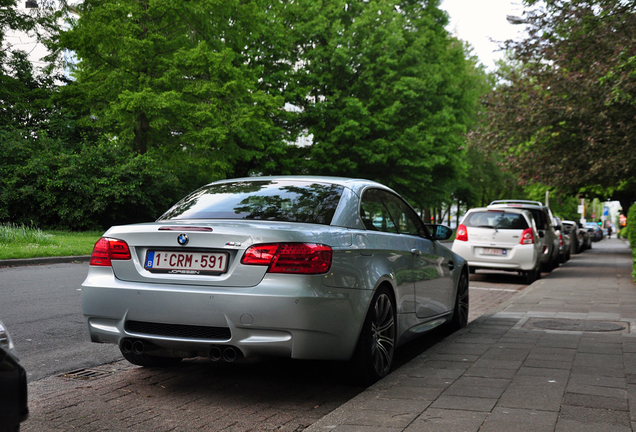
494,251
185,262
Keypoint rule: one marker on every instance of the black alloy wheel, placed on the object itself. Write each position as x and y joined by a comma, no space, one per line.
373,357
460,311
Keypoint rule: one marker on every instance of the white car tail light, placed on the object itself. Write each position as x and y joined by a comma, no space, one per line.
462,233
527,237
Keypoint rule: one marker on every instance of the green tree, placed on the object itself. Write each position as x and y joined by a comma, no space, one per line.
24,93
565,114
384,91
179,80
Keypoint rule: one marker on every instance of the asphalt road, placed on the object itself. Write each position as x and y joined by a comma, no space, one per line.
40,305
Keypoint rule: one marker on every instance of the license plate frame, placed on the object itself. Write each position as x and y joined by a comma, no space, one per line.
186,263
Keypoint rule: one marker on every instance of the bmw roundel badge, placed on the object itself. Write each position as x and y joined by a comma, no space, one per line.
183,239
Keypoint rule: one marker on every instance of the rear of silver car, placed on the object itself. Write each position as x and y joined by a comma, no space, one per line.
300,267
196,275
245,309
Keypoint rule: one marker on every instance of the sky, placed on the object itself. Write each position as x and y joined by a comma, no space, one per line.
479,21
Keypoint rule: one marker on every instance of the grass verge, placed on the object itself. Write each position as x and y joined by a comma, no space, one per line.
20,241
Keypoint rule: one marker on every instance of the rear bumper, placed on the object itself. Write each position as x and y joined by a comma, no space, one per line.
293,316
517,258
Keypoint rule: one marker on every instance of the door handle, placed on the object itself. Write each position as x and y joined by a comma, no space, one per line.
416,252
451,265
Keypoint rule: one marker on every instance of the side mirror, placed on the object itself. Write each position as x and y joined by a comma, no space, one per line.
440,232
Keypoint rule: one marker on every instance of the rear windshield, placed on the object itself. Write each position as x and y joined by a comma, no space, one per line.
275,200
496,219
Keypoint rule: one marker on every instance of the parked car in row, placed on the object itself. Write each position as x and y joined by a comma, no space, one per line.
573,231
579,236
544,221
595,231
13,385
500,239
564,241
301,267
586,238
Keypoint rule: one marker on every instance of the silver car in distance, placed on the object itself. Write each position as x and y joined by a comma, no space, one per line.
300,267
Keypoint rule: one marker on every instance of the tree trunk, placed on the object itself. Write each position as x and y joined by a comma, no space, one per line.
427,215
142,130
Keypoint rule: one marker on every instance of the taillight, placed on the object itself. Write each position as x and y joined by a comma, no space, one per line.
462,233
527,236
560,240
299,258
107,249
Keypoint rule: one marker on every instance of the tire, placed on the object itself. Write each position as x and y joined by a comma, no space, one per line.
532,275
547,267
460,310
146,360
556,262
373,356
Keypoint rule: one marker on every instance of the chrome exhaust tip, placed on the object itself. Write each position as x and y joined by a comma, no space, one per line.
229,354
215,354
126,346
138,347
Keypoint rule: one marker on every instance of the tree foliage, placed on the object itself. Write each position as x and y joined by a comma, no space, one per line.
24,94
176,79
565,113
167,95
385,93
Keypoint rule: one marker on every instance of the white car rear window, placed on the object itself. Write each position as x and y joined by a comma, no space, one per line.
496,219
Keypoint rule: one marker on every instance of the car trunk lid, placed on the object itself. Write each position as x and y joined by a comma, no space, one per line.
224,241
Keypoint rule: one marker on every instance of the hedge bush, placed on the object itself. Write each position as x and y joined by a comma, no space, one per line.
51,184
631,223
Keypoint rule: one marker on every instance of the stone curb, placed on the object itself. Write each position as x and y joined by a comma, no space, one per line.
46,260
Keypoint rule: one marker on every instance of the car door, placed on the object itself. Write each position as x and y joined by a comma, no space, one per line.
432,275
427,275
391,251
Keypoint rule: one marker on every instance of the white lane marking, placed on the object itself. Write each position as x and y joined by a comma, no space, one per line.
493,289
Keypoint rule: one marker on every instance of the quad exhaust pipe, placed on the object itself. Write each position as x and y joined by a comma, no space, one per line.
217,353
226,354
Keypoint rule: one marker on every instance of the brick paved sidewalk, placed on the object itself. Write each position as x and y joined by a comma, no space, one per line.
559,356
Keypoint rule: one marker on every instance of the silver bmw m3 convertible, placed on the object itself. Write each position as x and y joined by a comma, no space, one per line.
302,267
